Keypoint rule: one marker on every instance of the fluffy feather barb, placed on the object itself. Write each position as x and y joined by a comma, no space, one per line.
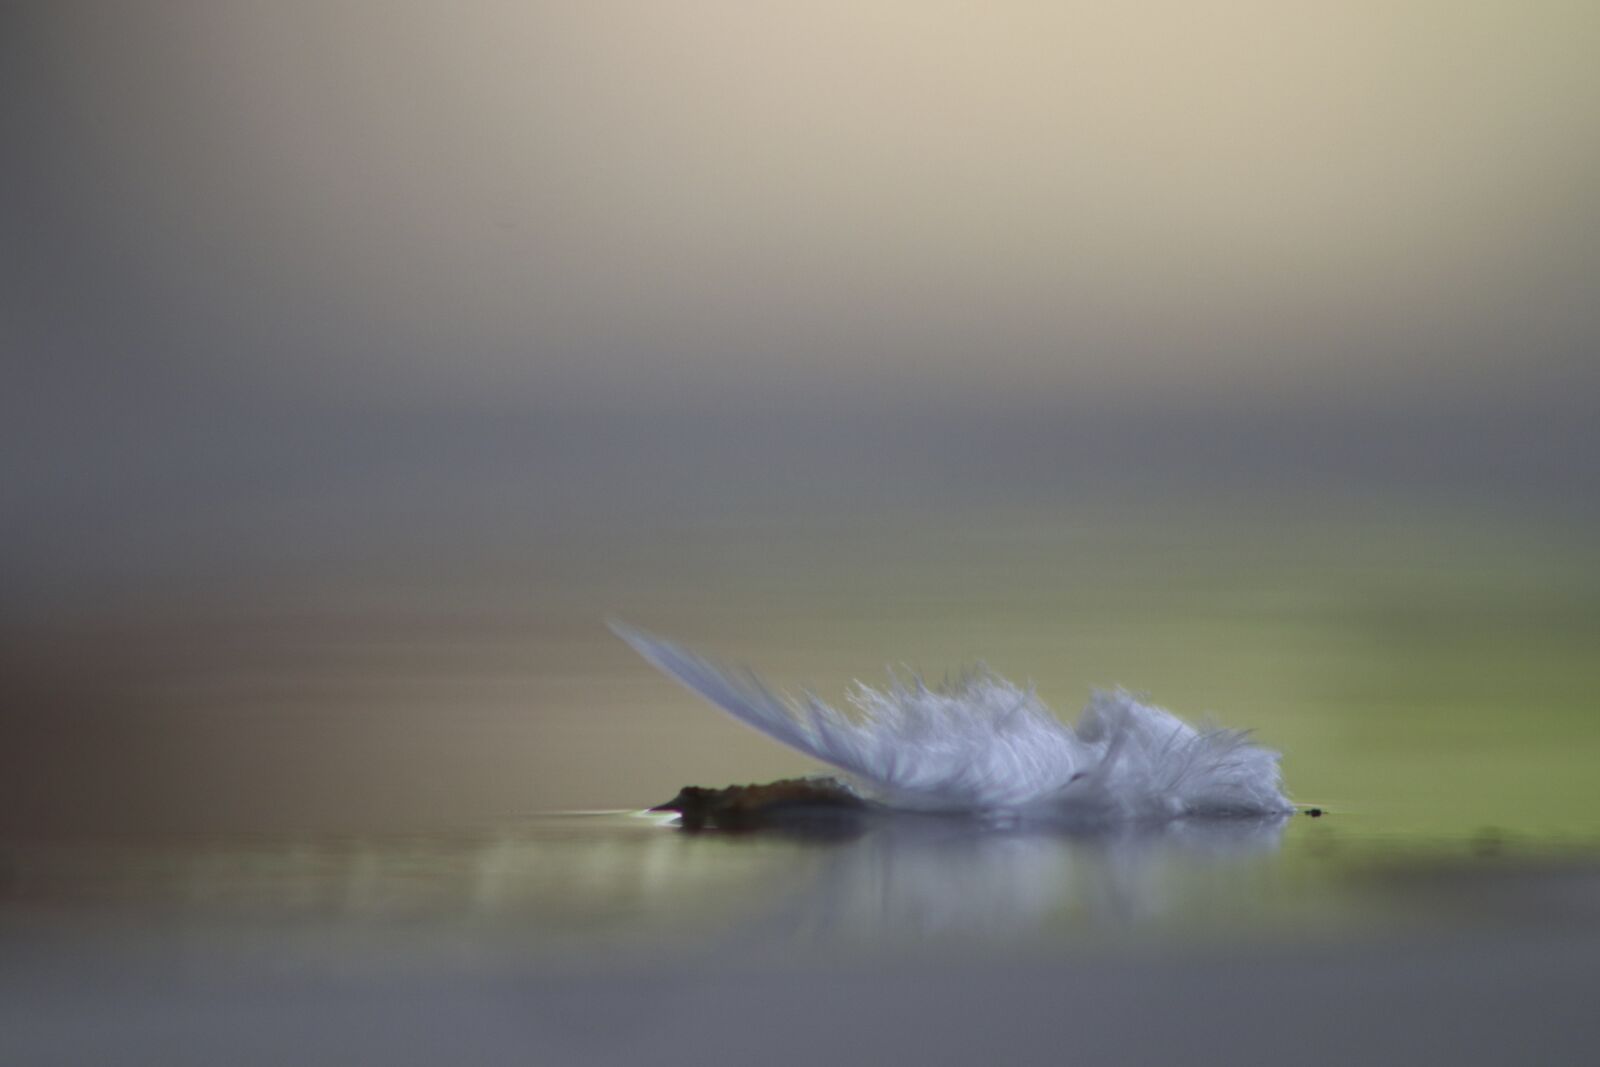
983,744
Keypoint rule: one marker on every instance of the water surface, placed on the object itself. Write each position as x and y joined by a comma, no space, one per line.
395,808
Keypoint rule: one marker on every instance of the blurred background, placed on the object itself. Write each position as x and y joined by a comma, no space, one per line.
363,358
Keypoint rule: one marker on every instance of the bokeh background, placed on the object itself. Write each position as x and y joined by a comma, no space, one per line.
362,358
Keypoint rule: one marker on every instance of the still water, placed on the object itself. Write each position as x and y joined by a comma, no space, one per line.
616,938
393,813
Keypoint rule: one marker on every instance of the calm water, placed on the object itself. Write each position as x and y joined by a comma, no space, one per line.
392,810
613,938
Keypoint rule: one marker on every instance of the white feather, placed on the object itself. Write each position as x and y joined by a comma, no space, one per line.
981,744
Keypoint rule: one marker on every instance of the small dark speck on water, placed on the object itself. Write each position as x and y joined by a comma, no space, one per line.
1315,813
752,807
